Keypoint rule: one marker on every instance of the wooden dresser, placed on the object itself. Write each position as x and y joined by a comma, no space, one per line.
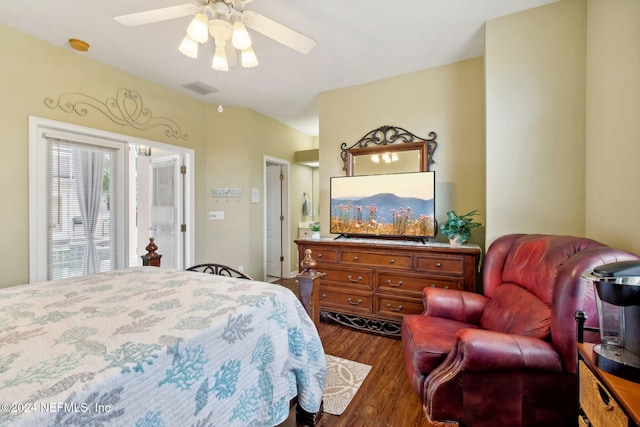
605,399
370,284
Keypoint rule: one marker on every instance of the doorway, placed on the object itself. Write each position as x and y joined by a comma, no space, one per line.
276,219
63,237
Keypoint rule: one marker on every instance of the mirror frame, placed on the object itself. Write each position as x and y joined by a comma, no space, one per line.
381,140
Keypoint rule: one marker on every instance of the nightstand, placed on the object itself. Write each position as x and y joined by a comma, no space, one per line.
605,399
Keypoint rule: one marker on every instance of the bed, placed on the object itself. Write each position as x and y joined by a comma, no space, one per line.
147,346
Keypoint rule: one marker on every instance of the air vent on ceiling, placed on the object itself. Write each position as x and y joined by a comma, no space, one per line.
200,88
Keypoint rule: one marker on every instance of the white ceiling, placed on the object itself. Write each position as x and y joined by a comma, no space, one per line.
357,41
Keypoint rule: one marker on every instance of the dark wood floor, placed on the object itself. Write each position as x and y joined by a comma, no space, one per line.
386,397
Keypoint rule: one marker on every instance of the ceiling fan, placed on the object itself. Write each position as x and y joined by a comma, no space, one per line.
225,20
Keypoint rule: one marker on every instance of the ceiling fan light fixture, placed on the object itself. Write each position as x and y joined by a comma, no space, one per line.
198,30
220,30
249,58
241,39
189,47
220,62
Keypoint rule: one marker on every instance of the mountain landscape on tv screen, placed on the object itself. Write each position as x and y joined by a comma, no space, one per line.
383,214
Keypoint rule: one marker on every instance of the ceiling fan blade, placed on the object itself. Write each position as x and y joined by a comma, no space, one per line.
157,15
278,32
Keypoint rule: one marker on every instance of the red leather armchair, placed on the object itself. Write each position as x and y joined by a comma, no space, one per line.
508,357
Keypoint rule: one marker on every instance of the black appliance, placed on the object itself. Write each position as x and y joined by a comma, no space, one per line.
617,288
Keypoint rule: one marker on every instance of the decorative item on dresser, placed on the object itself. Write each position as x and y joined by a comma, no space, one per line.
371,284
457,228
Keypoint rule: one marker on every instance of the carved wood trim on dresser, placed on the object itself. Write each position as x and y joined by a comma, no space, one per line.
370,284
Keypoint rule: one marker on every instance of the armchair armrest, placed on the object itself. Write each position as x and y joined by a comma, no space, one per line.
452,304
482,350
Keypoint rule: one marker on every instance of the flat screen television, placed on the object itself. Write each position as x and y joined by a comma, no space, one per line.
398,205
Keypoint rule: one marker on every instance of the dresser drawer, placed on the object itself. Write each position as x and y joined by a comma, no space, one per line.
346,302
414,284
392,307
350,276
441,264
321,255
597,403
387,260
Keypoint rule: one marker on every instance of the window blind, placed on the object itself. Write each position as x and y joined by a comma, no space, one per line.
81,229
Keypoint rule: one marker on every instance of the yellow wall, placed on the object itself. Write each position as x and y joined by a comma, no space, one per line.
448,100
613,123
563,84
239,140
535,119
31,71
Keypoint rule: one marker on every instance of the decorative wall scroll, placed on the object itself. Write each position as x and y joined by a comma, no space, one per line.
125,109
385,136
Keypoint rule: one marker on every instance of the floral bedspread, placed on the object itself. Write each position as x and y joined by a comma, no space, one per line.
155,347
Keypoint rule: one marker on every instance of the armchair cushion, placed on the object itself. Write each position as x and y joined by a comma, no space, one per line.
453,304
514,310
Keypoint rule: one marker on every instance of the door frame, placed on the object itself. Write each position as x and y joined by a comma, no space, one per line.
286,244
37,184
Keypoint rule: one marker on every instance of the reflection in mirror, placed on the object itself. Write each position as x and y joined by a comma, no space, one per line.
388,159
386,162
376,153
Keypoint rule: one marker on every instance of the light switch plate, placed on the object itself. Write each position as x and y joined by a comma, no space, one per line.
216,215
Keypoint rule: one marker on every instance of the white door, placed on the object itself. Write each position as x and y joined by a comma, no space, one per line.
274,219
165,209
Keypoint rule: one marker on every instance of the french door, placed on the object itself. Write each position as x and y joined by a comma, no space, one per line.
95,198
165,213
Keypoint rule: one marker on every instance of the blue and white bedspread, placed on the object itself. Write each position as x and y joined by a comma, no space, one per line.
154,347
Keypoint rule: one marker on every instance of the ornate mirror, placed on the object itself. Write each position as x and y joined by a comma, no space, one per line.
389,149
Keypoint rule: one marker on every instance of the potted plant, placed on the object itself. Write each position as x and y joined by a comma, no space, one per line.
457,228
315,230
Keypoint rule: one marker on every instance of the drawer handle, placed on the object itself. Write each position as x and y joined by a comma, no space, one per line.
319,254
400,307
355,258
354,303
604,397
323,296
352,280
438,264
433,285
390,283
392,261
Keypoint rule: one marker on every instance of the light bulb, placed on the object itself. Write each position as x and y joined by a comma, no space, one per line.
220,62
241,39
249,58
189,47
198,30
